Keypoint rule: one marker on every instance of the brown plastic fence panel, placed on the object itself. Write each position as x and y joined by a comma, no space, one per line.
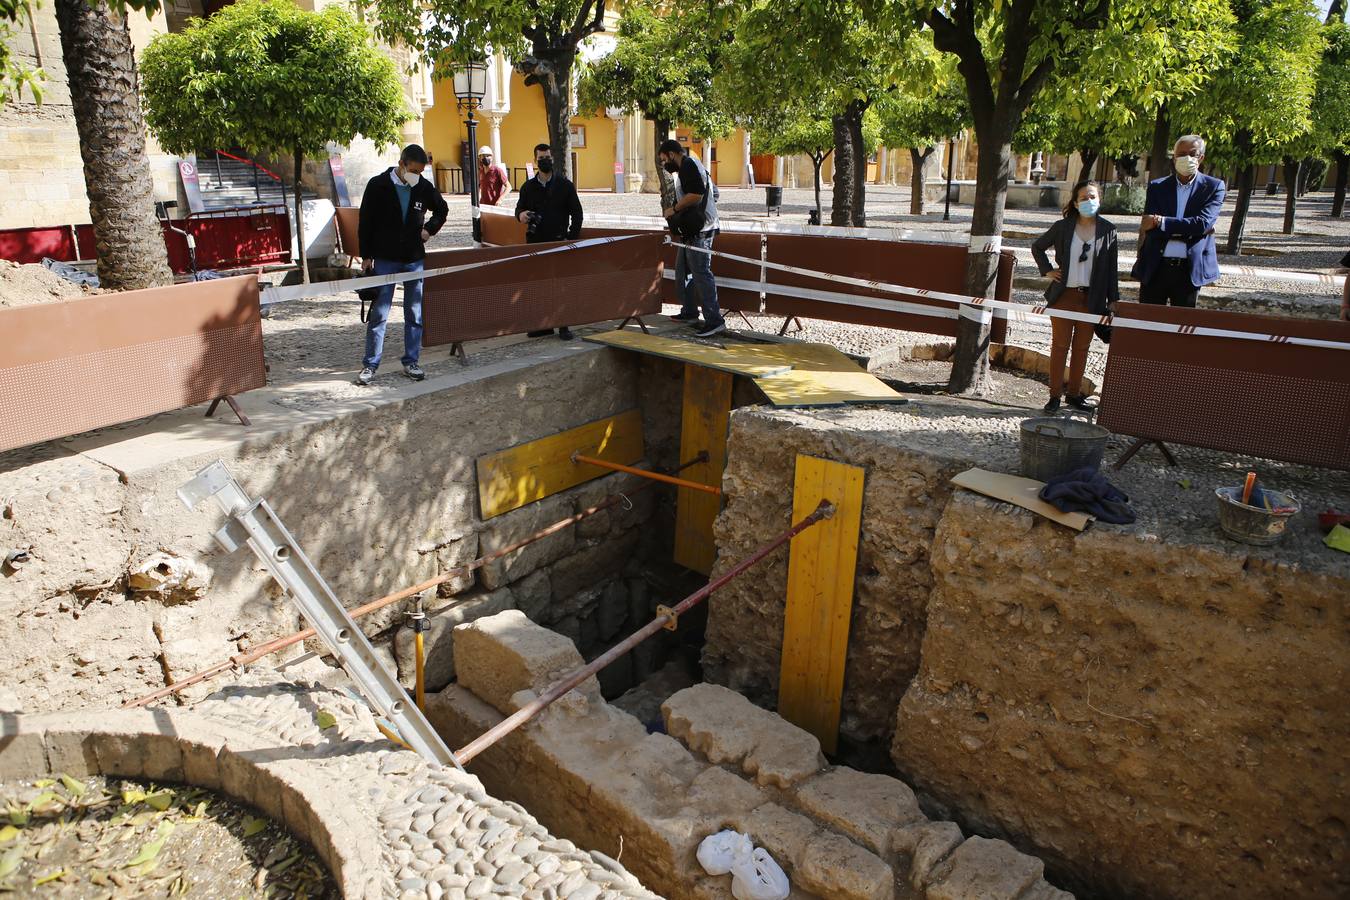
1265,399
501,231
729,299
574,287
933,267
111,358
348,222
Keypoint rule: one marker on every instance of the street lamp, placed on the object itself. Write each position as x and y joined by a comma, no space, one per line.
470,86
951,160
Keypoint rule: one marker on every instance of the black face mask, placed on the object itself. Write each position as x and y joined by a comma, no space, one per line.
672,167
546,165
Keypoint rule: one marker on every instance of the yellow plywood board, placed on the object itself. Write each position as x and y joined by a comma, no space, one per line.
807,388
822,562
511,478
1025,492
703,427
722,359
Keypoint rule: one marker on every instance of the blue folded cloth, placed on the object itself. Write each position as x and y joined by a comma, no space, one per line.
1087,491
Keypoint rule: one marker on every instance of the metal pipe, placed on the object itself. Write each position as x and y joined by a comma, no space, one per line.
567,683
646,473
254,654
419,625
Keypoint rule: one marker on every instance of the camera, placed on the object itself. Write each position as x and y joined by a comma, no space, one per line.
532,226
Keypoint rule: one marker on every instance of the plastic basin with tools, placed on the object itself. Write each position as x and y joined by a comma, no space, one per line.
1254,524
1055,446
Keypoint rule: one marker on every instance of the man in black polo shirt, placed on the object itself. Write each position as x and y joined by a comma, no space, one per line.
393,229
551,210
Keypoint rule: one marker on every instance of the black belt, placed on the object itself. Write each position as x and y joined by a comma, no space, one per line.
1176,261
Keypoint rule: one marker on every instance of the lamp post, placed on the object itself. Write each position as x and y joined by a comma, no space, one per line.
470,86
951,150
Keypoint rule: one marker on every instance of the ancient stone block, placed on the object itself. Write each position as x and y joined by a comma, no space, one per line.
131,743
437,640
23,754
505,530
70,749
926,844
453,555
613,609
533,594
865,807
499,655
592,565
983,869
727,728
723,795
785,834
835,867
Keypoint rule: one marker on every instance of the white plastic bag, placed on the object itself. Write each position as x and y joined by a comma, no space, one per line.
759,878
720,852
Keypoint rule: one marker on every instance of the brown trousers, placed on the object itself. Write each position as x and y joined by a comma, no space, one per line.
1066,334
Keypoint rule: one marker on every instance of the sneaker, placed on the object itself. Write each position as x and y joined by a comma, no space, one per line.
565,333
544,333
415,372
366,377
1081,402
1052,405
681,317
710,330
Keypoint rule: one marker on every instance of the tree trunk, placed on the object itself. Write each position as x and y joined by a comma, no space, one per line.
300,217
918,203
818,160
1162,133
1342,179
1089,158
96,47
660,132
1246,183
859,147
841,211
970,364
555,78
1292,168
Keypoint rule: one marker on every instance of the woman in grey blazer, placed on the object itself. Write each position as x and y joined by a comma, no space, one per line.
1084,280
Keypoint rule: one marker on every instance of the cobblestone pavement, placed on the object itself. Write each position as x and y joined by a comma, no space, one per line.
441,835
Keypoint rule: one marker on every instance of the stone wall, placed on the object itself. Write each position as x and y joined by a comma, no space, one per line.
1152,709
126,588
594,774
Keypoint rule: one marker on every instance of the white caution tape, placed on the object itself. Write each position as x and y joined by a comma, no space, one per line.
272,294
986,243
1019,311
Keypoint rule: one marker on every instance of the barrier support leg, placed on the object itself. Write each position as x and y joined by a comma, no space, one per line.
1139,444
638,319
788,321
211,410
745,319
457,349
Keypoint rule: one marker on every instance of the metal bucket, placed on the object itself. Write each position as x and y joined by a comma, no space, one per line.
1254,524
1054,446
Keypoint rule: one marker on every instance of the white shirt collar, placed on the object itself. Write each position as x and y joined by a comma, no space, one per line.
393,176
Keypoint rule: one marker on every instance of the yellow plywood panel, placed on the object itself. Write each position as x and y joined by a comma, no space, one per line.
722,359
703,427
805,388
821,566
511,478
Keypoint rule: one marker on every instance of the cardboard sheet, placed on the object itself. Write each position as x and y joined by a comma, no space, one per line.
1020,491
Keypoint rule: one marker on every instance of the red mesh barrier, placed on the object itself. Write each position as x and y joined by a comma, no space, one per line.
574,287
933,267
113,358
1276,401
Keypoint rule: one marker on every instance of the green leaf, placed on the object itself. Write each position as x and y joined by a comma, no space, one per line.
9,863
76,788
325,719
130,796
150,851
8,833
44,783
18,817
285,864
253,826
160,800
45,879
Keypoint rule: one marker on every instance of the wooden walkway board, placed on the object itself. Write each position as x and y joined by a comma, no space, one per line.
511,478
788,374
821,565
703,426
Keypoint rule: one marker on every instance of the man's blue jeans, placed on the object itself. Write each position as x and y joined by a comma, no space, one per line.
693,273
379,314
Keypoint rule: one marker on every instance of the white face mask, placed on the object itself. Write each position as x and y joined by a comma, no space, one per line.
411,178
1186,165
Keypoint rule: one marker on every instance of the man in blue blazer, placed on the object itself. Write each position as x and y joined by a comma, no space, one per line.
1177,256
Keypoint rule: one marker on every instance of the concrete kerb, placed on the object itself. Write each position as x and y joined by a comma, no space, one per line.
178,745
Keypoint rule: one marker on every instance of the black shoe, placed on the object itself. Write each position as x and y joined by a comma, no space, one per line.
1051,405
544,333
1081,402
681,317
565,333
710,330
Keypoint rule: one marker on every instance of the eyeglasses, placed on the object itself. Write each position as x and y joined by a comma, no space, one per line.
1087,248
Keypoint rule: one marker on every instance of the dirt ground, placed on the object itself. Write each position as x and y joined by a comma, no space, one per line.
24,285
104,838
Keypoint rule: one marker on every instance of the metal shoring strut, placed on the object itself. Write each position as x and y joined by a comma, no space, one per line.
253,523
419,627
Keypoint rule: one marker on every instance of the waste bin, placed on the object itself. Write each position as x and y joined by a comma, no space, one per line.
773,199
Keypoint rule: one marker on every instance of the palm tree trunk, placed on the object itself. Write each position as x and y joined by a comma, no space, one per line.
105,95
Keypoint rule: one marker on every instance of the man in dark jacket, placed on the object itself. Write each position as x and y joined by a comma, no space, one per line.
551,210
393,229
1177,255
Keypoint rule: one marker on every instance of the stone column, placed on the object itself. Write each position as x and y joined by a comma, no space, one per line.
883,156
745,158
632,164
620,123
494,121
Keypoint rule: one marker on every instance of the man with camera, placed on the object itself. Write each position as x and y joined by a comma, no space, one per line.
551,210
693,223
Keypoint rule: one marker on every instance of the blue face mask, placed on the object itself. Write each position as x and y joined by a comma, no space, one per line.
1088,207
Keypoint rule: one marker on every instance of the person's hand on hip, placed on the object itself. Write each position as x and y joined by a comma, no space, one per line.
367,265
426,235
